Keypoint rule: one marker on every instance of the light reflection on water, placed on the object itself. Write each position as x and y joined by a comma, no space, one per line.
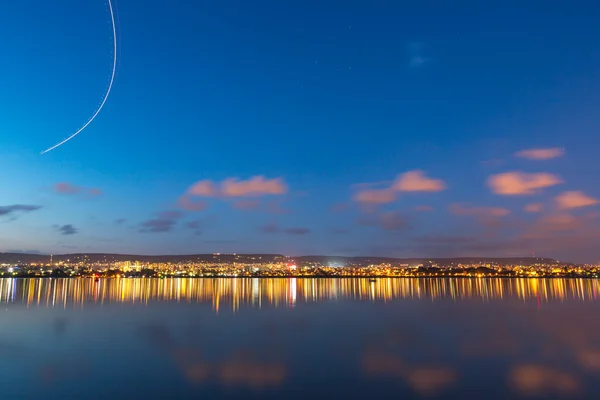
287,292
300,338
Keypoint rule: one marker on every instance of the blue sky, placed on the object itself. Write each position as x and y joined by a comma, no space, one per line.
322,99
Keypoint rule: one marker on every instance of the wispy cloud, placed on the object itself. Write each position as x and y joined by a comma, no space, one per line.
66,229
574,199
463,209
157,225
257,186
188,203
165,222
534,207
417,181
541,154
389,221
235,187
410,181
17,208
70,189
375,196
274,228
521,183
197,226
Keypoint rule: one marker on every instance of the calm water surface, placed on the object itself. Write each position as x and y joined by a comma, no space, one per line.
300,338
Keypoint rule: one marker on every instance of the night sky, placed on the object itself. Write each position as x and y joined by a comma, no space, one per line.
302,127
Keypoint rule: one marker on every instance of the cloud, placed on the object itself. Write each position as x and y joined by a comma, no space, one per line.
120,221
389,221
375,196
255,186
157,225
411,181
204,188
462,209
269,228
274,228
197,226
234,187
574,199
66,229
247,204
231,187
534,207
17,208
416,181
170,214
187,203
521,183
66,188
70,189
541,154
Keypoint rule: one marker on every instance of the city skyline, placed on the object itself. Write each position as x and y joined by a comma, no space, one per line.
376,130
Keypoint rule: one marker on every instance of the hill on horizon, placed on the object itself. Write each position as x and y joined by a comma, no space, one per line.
16,258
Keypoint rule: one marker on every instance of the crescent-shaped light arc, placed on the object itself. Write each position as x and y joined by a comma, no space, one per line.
112,79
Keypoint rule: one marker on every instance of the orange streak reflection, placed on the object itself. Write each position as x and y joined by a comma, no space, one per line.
233,293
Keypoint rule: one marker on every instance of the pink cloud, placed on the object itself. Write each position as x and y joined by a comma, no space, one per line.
521,183
541,154
70,189
204,188
574,199
375,196
556,223
233,187
255,186
188,203
411,181
416,181
534,208
461,209
66,188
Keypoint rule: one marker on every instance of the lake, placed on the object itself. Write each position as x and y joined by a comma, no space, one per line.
300,338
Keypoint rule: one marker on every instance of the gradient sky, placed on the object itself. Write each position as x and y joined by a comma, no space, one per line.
302,127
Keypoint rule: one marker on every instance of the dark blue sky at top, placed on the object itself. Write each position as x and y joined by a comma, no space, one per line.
321,94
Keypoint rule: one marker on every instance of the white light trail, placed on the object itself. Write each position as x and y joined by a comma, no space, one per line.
112,79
